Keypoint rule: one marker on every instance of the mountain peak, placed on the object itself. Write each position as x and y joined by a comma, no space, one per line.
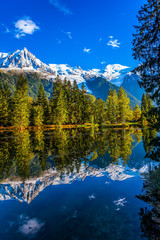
25,61
22,59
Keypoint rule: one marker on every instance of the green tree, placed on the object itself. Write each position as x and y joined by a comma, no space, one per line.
38,115
5,105
85,109
112,101
44,103
21,108
92,108
22,153
144,105
59,104
100,111
125,112
146,48
136,113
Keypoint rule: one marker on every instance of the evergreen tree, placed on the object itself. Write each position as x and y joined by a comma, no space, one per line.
112,101
76,111
92,108
100,111
69,101
38,115
44,103
146,48
5,105
125,113
59,104
136,113
85,105
21,110
144,105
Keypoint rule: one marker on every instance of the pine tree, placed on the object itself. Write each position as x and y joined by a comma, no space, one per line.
100,111
149,112
85,105
21,109
44,103
112,102
144,105
59,104
69,101
38,115
92,108
136,113
5,105
76,112
146,48
125,113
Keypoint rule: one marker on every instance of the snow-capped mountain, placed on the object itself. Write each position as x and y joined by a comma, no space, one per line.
23,60
112,72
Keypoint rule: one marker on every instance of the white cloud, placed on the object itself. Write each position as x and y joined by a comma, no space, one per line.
25,26
87,50
7,30
103,62
60,6
113,42
69,34
58,41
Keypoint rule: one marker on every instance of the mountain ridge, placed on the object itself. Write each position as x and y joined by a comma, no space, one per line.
22,61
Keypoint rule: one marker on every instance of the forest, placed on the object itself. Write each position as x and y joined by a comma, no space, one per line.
69,105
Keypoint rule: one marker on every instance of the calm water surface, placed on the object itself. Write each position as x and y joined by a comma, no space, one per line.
76,184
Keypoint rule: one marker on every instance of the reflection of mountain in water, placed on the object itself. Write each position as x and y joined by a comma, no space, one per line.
30,162
31,188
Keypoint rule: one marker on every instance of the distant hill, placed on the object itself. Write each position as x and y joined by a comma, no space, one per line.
100,88
34,80
130,83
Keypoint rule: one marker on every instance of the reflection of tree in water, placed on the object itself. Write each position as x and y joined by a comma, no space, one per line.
148,137
150,219
5,156
27,154
120,144
70,148
41,148
22,153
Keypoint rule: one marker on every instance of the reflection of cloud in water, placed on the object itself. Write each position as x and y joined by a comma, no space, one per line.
120,203
107,183
31,226
92,196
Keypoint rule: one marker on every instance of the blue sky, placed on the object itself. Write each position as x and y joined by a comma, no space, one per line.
89,33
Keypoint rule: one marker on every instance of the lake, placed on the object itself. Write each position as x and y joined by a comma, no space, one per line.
77,184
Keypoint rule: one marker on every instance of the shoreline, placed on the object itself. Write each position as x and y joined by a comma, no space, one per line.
85,125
